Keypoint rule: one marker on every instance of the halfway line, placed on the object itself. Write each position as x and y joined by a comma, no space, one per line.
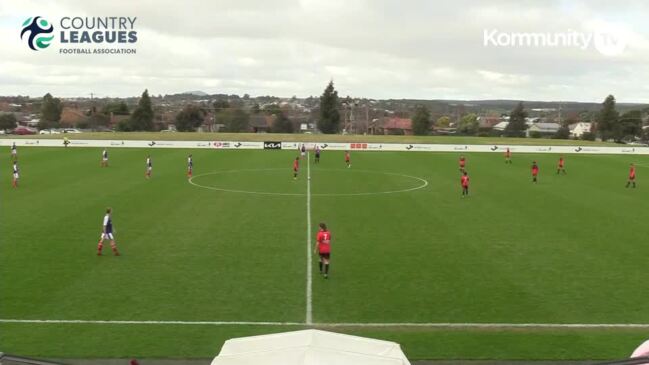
440,325
309,279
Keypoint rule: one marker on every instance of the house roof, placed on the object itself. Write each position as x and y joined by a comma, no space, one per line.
487,122
583,124
397,123
70,116
549,127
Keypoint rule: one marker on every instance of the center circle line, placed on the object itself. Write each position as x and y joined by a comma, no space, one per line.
423,183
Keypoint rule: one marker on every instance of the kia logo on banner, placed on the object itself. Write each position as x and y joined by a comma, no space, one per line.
272,145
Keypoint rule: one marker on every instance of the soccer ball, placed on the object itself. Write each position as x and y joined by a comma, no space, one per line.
309,178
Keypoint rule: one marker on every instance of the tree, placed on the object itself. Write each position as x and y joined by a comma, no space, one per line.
124,125
142,117
421,121
50,112
588,136
329,121
116,108
629,126
97,120
645,134
190,118
443,122
8,121
469,124
221,104
234,120
562,133
517,126
607,119
281,124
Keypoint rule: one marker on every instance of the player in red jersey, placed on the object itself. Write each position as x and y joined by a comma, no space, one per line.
296,167
323,248
464,181
631,176
535,171
462,163
508,156
348,159
561,166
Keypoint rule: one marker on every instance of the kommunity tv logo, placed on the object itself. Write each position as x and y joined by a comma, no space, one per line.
39,29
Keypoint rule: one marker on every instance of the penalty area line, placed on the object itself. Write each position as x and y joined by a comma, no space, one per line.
440,325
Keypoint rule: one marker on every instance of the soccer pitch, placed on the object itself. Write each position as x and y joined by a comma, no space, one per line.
227,254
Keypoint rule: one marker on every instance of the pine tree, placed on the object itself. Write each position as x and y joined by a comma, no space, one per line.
142,117
517,126
421,121
329,121
607,119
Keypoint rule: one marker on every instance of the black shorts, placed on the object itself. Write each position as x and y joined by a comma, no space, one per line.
325,255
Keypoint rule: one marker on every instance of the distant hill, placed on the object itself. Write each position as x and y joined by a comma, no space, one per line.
195,92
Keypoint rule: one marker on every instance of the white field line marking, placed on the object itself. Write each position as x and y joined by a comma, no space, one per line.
351,324
211,323
309,278
423,184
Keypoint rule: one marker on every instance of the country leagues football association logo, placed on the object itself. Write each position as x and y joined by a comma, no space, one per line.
38,29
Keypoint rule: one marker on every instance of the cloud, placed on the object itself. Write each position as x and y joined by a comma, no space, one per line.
380,49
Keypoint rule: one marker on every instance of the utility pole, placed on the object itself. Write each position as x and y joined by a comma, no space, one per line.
92,103
367,117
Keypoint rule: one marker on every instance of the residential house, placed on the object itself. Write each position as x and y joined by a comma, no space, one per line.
543,128
70,116
391,125
501,126
488,122
578,129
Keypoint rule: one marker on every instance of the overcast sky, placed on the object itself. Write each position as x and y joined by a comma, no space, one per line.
371,48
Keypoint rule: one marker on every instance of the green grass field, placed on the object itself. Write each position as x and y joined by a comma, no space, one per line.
570,249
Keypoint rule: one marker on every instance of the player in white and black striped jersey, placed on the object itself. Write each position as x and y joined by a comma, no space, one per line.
149,167
16,175
107,234
14,152
104,158
190,165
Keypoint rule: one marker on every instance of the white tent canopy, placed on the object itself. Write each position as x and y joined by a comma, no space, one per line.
309,347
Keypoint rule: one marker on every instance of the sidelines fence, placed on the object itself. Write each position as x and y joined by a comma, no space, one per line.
337,146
